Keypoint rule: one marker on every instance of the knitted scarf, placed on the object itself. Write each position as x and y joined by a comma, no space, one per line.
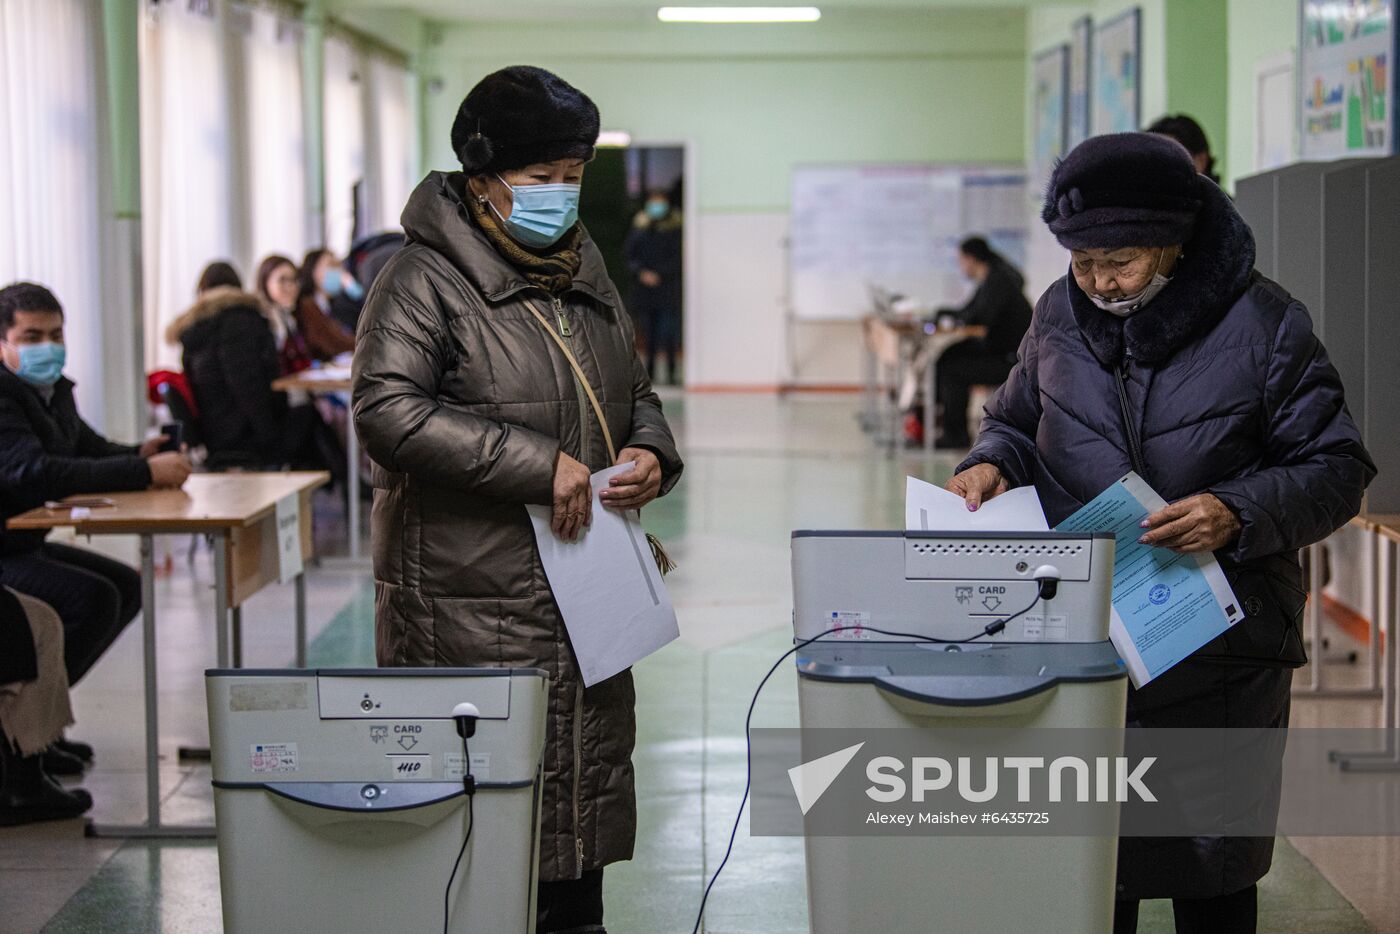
552,269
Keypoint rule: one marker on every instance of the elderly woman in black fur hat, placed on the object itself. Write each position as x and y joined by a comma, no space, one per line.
471,409
1163,351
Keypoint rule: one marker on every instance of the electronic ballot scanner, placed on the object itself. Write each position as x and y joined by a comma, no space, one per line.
946,633
396,799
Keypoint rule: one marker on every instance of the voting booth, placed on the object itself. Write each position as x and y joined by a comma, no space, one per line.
1053,666
340,802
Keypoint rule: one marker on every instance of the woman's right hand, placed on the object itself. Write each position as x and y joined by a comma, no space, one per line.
573,498
977,484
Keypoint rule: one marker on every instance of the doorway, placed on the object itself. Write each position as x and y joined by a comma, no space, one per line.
620,182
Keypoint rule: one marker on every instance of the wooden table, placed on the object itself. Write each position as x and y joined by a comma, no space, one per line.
239,513
324,381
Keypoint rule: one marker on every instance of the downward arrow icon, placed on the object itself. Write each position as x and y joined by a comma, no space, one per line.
991,603
408,742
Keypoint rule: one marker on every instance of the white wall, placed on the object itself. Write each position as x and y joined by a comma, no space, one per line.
752,102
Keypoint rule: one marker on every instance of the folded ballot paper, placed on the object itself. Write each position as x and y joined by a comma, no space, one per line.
610,593
1165,605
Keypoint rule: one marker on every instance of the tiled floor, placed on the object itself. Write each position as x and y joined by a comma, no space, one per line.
758,468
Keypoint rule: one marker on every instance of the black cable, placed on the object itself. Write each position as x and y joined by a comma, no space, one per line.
990,629
469,785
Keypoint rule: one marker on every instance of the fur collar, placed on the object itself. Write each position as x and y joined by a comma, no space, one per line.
1213,272
210,304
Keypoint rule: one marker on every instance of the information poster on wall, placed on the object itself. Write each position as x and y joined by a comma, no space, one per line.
1347,86
1117,74
895,227
1049,113
1081,45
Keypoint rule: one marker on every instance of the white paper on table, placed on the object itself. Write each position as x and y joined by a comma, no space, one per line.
932,508
609,590
288,521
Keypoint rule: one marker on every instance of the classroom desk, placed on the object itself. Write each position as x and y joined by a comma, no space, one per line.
1385,540
335,379
888,353
931,347
239,513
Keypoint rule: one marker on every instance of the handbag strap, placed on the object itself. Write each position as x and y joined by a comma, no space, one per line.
578,372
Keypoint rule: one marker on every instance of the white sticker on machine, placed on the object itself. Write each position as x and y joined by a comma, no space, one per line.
1050,629
852,624
481,766
405,767
273,757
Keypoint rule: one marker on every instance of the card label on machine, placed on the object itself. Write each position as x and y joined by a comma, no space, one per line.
853,624
265,758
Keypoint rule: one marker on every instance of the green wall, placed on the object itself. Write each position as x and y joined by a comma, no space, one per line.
754,101
1258,30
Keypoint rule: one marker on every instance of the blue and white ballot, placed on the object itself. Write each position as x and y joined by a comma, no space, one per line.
1165,605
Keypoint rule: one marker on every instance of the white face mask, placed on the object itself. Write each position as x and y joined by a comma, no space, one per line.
1122,307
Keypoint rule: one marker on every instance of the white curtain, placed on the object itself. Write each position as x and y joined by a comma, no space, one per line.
50,219
273,141
391,96
344,140
186,162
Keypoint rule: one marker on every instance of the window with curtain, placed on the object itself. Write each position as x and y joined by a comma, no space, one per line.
344,140
391,96
186,161
274,141
50,220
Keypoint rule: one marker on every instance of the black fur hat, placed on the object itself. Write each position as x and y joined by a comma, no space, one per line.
522,115
1123,189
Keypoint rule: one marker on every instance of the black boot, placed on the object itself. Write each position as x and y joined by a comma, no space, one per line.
28,794
61,764
74,748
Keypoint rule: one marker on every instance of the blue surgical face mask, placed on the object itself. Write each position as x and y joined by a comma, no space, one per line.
540,214
41,364
336,281
657,210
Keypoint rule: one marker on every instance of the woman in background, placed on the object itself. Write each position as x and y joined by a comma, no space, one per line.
321,279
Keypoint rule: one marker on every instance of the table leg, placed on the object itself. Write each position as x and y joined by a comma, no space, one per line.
152,826
221,653
1314,616
300,585
352,480
930,404
237,619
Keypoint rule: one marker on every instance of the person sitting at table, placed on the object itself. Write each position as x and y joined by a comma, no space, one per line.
47,452
230,360
34,710
323,280
997,316
310,442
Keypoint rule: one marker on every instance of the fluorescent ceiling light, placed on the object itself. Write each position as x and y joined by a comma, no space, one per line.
738,14
618,139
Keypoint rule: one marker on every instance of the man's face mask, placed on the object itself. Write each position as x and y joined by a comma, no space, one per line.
540,214
41,364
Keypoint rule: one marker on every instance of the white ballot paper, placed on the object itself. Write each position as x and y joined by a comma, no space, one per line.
932,508
608,588
1165,605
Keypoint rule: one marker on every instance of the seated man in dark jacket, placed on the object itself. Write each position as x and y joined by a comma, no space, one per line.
999,308
47,452
230,359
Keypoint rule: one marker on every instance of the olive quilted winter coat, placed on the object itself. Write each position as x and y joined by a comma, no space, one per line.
463,401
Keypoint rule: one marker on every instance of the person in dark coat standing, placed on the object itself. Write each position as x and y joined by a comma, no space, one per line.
1000,315
653,250
1163,351
230,359
470,411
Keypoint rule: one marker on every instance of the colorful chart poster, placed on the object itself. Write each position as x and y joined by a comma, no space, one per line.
1049,115
1117,74
1081,46
1347,86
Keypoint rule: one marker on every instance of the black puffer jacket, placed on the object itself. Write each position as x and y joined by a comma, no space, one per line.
48,452
230,360
464,401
